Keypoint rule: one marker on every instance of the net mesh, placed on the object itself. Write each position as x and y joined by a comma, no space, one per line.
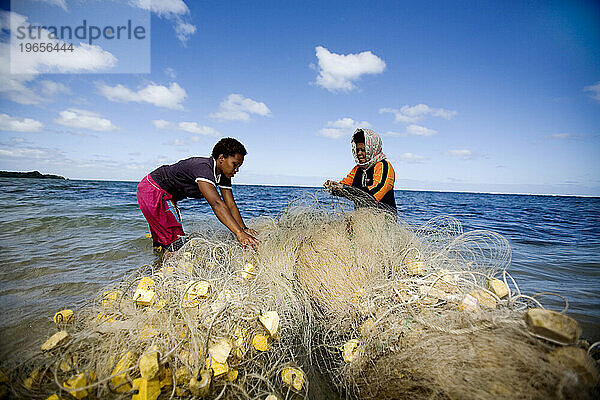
338,290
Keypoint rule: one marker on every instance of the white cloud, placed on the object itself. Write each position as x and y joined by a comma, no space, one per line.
8,123
560,136
174,10
160,96
420,130
50,88
23,88
595,91
411,158
342,127
23,153
191,127
163,8
339,71
15,87
161,123
59,3
238,108
84,58
170,72
83,119
413,130
27,154
417,113
184,30
463,154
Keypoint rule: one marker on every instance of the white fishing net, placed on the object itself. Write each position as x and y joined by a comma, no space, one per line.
359,300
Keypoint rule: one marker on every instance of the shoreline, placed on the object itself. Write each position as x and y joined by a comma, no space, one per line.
30,175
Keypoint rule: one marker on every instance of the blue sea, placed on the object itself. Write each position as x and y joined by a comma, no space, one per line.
62,241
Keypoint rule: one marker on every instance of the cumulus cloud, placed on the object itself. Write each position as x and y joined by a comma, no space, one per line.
84,58
27,154
163,8
170,72
339,71
420,130
411,158
417,113
413,130
184,30
59,3
50,88
175,11
16,87
191,127
158,95
83,119
24,89
594,91
462,154
12,124
161,123
342,127
31,153
238,108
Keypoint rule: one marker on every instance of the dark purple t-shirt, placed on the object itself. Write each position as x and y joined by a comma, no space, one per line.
181,179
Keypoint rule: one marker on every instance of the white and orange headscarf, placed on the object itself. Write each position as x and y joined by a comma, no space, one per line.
373,149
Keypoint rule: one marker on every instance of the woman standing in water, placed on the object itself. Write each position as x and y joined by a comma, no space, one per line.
198,177
373,173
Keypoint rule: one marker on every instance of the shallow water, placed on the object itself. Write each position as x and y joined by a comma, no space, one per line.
63,241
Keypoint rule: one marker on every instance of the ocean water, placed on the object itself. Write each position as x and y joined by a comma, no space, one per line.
62,241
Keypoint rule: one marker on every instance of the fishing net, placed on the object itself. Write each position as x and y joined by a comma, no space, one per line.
339,293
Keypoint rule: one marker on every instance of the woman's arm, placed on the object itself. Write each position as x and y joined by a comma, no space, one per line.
224,214
235,212
350,177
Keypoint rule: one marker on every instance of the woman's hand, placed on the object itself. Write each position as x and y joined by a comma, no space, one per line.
250,231
333,187
247,239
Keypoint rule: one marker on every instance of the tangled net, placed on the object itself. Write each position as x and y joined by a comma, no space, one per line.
357,299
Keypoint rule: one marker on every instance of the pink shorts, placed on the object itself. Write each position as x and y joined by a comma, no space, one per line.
164,221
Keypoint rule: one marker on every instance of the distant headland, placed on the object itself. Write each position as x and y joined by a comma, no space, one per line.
32,174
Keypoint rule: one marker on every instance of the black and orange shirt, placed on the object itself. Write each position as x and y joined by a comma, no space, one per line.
378,181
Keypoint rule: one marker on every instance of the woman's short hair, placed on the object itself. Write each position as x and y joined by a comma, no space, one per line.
359,136
228,147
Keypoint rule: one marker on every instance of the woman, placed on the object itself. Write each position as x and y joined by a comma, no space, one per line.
373,173
198,177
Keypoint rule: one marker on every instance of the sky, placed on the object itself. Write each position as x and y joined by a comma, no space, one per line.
481,96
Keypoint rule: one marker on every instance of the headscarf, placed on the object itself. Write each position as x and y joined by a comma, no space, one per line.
374,154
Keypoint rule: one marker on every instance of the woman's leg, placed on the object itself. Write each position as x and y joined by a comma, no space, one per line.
153,202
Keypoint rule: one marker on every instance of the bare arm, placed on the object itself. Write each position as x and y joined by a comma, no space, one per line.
224,214
227,195
233,208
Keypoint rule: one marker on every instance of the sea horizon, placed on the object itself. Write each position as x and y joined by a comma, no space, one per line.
320,187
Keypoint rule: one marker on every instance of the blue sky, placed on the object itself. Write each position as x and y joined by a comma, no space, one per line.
489,96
